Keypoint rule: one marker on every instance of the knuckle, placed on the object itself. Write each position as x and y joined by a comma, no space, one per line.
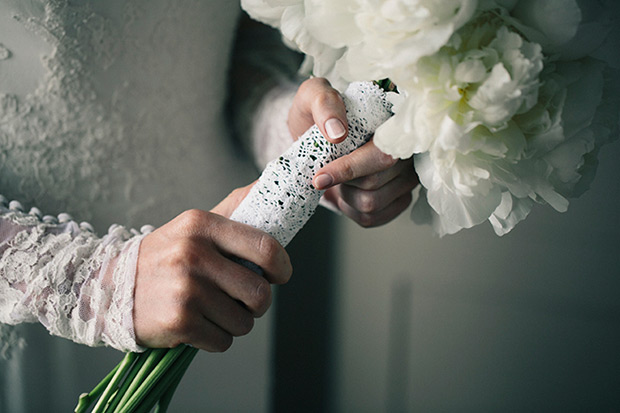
192,218
268,248
183,254
327,97
182,293
177,322
367,203
315,82
370,182
347,170
261,297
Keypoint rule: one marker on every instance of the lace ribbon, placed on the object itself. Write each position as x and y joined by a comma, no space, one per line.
283,199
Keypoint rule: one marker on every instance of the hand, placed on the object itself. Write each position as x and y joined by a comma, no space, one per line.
189,290
368,186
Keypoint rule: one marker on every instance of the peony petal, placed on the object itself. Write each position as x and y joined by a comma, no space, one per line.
509,213
464,212
568,158
423,214
557,201
492,99
332,23
470,71
451,135
265,11
461,210
391,139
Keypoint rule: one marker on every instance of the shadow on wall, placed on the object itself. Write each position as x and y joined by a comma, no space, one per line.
304,318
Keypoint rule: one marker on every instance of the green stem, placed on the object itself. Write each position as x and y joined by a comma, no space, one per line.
151,380
150,363
124,366
164,400
87,399
387,85
115,401
171,377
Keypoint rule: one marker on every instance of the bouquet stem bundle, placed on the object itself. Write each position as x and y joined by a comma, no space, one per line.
280,203
140,382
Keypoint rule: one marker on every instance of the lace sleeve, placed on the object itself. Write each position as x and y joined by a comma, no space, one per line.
264,81
59,273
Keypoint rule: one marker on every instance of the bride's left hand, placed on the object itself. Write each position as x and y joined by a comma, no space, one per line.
368,186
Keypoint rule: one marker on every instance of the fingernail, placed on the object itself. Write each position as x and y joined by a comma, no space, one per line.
335,129
323,181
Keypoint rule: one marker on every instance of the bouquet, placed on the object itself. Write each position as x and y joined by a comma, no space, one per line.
502,104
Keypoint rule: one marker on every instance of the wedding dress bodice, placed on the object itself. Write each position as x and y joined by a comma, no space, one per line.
112,111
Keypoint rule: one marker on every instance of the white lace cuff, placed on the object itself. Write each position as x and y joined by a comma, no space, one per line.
59,273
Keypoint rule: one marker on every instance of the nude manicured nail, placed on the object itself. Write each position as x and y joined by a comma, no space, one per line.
323,181
335,129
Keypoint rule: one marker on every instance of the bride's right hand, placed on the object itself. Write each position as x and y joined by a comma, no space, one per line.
188,288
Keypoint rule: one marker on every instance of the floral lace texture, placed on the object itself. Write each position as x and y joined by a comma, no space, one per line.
57,272
284,199
115,102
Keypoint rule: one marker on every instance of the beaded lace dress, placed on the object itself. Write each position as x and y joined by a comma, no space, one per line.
112,115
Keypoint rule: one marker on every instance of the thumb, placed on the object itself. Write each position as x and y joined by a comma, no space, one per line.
316,102
228,205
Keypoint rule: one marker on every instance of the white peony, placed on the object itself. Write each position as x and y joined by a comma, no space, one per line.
484,76
492,133
269,11
382,35
289,16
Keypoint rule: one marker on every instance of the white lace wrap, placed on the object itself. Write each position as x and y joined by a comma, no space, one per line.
59,273
283,199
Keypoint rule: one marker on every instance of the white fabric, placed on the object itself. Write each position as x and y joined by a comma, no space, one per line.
79,286
271,136
112,111
122,120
